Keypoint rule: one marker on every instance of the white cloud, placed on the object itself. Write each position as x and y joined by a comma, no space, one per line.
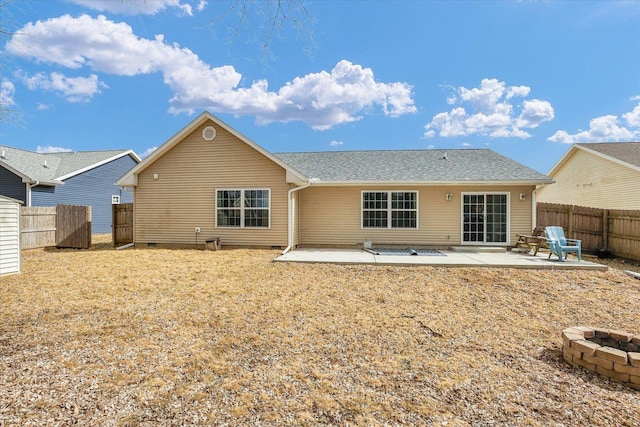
322,100
491,112
7,92
50,149
74,89
42,107
148,151
335,143
201,5
533,113
633,117
465,144
604,129
141,7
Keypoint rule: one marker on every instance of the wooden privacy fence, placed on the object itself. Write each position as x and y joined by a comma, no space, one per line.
122,224
616,231
73,226
38,227
65,226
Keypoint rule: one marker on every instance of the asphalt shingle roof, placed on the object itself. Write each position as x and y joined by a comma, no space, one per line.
626,151
32,164
460,165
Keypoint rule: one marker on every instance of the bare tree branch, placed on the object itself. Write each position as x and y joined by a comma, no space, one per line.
8,114
262,21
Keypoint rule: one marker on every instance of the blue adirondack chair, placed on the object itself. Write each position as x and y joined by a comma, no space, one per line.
559,244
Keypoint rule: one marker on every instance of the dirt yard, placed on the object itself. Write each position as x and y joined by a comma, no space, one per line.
145,337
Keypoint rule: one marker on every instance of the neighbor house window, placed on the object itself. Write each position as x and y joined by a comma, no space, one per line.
389,209
243,208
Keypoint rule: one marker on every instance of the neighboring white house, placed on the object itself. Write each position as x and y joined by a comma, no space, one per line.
597,175
9,236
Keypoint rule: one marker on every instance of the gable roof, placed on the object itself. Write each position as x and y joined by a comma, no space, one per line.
373,167
464,166
54,168
131,178
628,152
623,153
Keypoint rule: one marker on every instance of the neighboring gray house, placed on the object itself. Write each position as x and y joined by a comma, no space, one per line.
76,178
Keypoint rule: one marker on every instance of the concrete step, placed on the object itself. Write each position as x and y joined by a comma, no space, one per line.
479,249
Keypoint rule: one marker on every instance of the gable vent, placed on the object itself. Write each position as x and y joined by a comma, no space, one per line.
209,133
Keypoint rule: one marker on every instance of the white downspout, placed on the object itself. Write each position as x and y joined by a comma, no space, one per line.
29,187
534,202
290,215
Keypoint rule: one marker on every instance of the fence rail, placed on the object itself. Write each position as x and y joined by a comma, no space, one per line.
38,227
616,231
61,225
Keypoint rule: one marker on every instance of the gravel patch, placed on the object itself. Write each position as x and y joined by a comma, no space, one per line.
184,337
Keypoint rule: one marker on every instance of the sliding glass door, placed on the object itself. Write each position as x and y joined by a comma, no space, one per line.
485,218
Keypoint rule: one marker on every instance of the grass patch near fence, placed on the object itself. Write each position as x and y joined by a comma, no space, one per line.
179,337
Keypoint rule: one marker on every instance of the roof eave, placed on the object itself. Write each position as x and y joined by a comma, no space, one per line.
100,163
130,178
608,157
28,179
319,182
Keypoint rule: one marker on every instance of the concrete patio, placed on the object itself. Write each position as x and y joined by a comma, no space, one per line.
450,259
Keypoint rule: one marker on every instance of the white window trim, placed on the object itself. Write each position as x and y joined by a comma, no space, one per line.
485,193
242,208
389,210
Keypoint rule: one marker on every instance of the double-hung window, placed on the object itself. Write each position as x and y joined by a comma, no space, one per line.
389,209
243,208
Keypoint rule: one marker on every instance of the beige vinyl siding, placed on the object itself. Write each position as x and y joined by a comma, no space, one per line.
589,180
168,209
331,216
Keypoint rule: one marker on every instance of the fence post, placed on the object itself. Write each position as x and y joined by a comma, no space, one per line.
570,225
113,224
605,229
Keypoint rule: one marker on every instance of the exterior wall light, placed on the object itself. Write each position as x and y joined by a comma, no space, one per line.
449,196
523,196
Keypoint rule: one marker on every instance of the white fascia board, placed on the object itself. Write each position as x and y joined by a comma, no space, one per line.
95,165
295,178
27,179
562,160
317,182
127,181
131,177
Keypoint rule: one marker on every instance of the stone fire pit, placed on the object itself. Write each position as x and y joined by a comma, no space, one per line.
609,353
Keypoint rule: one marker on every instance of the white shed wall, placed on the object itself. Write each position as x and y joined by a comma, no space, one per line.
9,236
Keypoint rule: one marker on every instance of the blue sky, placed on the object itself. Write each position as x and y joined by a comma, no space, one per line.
524,78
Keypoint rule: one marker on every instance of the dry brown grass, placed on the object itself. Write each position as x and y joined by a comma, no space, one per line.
186,337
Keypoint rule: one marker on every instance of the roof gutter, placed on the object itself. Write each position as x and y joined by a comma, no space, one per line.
431,183
290,214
